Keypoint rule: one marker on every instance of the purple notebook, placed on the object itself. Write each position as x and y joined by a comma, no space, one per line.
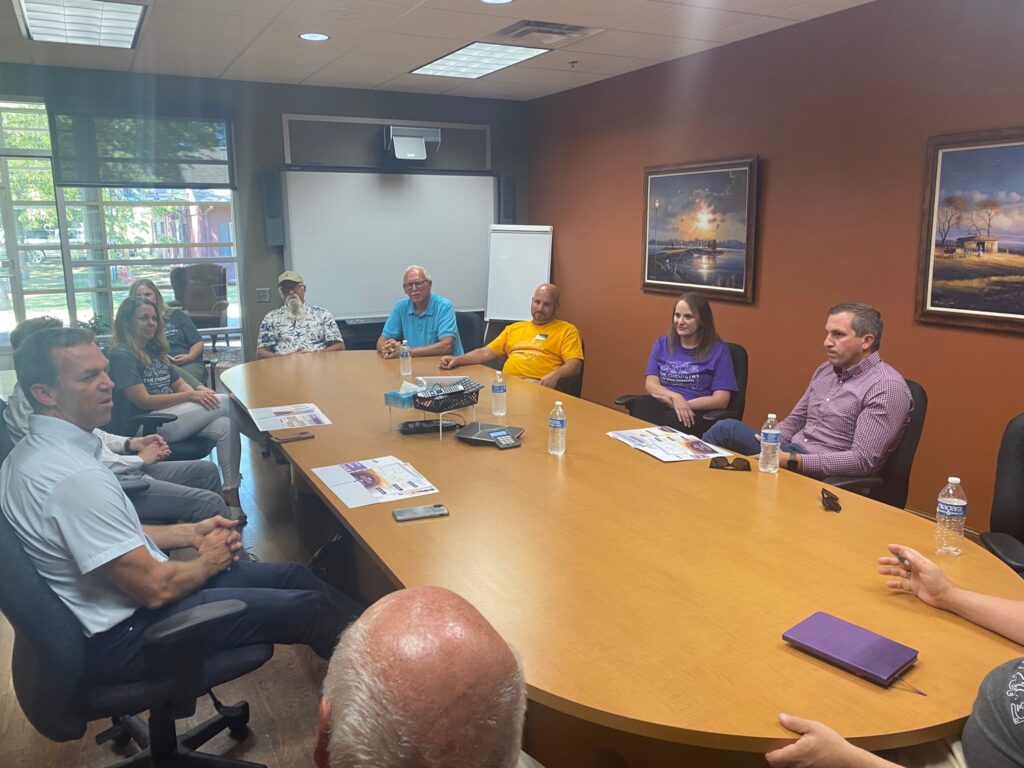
853,648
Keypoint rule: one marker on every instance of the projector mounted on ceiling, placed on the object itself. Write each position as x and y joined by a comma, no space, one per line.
409,143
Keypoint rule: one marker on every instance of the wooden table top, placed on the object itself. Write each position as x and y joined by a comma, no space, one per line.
645,596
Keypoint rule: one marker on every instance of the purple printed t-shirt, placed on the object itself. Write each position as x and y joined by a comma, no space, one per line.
692,378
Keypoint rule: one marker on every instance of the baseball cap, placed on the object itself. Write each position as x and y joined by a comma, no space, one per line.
290,277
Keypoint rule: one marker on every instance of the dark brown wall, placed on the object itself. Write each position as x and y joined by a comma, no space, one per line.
840,110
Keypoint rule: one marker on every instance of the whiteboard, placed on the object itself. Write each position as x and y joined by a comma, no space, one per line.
519,259
352,234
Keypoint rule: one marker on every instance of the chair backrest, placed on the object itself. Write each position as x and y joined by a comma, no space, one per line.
1008,494
471,329
740,367
6,443
895,474
573,385
201,291
49,645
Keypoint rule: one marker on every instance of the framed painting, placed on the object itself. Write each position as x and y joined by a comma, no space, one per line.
972,241
699,228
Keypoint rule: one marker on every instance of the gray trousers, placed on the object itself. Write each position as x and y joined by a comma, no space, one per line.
179,492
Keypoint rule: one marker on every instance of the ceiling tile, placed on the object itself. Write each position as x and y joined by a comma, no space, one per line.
267,70
351,79
458,26
549,77
521,9
421,84
424,48
604,15
210,64
281,39
688,21
81,56
806,11
260,9
757,26
15,47
351,14
484,88
758,7
596,63
640,45
214,26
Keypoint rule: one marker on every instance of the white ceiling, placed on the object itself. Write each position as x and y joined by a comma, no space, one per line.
375,43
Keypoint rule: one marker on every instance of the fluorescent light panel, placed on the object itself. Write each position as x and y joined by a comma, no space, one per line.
478,59
83,22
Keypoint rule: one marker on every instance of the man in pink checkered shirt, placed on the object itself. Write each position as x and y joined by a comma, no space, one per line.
853,412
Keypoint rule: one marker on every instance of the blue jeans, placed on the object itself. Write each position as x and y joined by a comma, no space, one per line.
737,437
287,604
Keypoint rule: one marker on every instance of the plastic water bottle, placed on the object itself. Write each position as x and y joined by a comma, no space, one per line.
405,359
770,439
950,516
556,430
498,395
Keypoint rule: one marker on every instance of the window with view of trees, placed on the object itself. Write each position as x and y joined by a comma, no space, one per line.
73,251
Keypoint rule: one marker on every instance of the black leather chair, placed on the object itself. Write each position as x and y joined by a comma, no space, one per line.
737,403
892,482
181,450
471,329
48,665
1006,539
200,290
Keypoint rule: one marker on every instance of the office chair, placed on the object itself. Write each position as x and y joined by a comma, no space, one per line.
201,290
737,402
471,329
892,482
1006,539
48,665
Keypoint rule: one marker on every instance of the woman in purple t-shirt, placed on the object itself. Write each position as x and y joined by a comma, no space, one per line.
689,371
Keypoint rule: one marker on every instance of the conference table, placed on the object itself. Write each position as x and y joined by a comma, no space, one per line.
648,599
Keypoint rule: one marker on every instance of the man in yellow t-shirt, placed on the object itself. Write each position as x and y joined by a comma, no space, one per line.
543,348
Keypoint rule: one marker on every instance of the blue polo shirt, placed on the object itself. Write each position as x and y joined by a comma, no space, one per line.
426,328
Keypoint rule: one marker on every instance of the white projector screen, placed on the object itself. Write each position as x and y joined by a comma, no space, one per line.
351,234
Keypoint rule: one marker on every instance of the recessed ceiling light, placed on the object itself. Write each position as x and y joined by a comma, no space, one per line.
314,37
81,22
495,2
478,59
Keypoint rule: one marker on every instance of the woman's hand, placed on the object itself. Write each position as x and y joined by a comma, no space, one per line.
206,398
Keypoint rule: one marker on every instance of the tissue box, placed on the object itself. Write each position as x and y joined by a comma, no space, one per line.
397,399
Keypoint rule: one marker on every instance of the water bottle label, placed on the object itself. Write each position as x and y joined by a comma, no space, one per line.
773,438
952,510
557,423
498,389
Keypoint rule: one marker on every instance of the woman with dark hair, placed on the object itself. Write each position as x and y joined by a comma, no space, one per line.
145,380
185,345
689,371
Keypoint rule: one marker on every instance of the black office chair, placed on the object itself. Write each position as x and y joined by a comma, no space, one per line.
891,484
189,449
1006,539
737,402
49,660
471,329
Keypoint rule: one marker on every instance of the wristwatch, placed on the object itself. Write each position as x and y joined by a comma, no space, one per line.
128,445
792,463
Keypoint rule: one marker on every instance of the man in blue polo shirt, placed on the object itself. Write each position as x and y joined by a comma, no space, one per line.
425,321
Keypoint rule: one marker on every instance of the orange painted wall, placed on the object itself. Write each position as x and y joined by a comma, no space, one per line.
840,110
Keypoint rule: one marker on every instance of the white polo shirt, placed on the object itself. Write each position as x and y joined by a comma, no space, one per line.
71,517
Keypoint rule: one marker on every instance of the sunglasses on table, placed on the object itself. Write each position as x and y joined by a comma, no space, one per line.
830,501
737,464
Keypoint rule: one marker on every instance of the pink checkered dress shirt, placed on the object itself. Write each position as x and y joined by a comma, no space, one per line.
849,421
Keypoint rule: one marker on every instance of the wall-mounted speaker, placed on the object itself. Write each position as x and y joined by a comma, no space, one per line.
273,213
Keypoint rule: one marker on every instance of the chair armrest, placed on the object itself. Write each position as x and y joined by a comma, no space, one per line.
1006,548
861,485
193,621
718,414
625,400
151,422
133,485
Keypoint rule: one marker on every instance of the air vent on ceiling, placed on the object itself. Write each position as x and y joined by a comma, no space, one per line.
541,34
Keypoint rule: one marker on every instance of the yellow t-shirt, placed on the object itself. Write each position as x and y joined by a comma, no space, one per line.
535,351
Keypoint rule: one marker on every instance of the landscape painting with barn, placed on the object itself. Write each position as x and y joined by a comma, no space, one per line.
973,253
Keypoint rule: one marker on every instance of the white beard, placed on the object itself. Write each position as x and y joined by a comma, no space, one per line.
294,305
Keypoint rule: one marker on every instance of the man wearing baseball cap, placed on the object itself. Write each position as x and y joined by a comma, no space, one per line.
297,326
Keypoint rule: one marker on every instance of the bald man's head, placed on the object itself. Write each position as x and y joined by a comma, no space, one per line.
422,679
544,304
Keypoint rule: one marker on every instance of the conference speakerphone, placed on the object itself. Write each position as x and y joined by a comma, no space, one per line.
479,433
426,426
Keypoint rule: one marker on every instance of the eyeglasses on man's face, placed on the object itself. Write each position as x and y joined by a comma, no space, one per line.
412,285
287,288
